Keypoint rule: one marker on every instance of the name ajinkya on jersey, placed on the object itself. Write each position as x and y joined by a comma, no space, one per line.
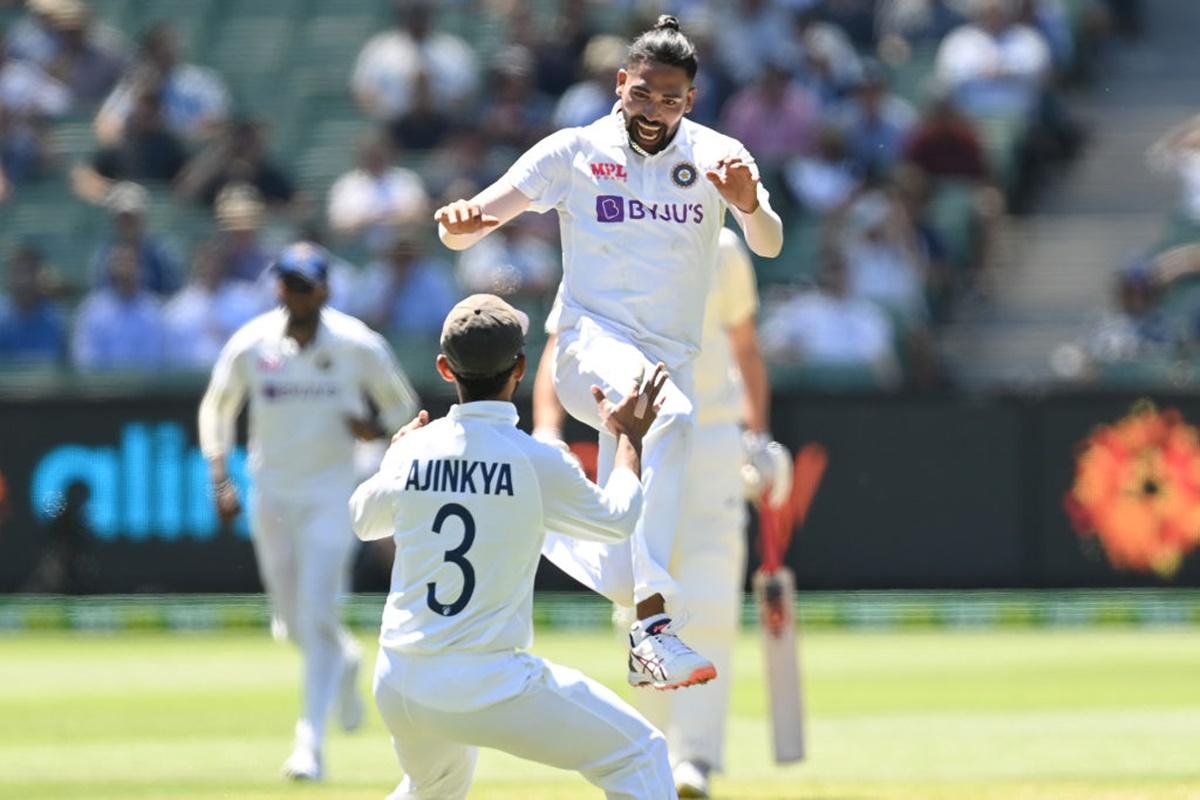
458,475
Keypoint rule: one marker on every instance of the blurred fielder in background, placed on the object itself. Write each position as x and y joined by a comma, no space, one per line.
306,371
641,196
468,499
726,464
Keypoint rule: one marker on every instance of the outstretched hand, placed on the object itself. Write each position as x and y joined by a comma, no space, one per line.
463,217
637,411
736,182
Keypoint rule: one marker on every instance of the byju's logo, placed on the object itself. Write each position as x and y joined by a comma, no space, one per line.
610,208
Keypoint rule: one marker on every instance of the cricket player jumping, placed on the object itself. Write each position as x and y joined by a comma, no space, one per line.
641,197
305,370
468,499
727,462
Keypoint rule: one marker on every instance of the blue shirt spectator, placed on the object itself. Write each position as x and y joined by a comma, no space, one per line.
405,291
32,327
158,267
120,326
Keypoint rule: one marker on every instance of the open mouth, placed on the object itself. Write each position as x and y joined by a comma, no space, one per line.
646,132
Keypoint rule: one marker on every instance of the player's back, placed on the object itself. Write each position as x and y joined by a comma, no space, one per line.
468,532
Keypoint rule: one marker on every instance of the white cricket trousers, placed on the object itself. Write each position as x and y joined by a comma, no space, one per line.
440,709
708,563
303,543
634,570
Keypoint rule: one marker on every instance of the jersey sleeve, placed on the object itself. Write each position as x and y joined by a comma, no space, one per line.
387,385
736,292
543,173
574,506
223,399
373,505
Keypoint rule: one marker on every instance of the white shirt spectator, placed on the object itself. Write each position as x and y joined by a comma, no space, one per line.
388,66
971,53
26,90
193,97
362,201
113,331
821,328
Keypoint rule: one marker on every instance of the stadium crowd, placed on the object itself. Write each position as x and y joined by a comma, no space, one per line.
893,135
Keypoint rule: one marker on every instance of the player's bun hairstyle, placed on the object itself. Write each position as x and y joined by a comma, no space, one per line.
666,44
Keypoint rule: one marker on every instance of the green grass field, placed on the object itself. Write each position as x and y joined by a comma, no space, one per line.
1044,713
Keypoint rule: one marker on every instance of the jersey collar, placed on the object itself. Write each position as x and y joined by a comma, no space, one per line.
495,411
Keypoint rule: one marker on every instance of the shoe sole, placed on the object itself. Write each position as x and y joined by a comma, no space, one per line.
699,675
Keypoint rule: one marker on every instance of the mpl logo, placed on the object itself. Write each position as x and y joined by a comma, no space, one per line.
610,171
610,208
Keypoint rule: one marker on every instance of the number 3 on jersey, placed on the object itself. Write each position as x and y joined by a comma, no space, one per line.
457,557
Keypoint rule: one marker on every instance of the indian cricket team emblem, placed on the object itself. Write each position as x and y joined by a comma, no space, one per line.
684,174
324,362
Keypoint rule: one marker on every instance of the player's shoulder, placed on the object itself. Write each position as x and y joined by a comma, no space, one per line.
706,141
349,329
257,329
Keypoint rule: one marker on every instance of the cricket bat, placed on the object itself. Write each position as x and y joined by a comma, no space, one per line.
774,592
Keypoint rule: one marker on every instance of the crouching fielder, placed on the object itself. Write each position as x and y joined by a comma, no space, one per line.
305,370
468,499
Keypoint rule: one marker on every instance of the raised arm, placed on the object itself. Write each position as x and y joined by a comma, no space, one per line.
738,182
464,222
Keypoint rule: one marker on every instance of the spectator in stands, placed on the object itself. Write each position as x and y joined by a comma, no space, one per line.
822,56
592,98
1050,19
389,63
877,124
747,36
555,47
29,99
425,124
826,179
194,99
1137,328
376,195
856,18
946,145
830,326
514,262
120,326
883,259
405,292
146,153
903,25
774,117
32,327
87,58
238,156
240,212
515,114
158,266
994,65
202,316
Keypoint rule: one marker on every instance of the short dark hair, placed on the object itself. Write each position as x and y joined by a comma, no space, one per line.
473,389
666,44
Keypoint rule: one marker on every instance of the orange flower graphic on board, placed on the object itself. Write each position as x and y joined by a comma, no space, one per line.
1137,490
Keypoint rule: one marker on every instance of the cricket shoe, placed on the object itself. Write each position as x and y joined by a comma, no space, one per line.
350,707
304,764
691,778
659,658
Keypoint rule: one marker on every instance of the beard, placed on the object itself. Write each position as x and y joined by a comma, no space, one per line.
638,127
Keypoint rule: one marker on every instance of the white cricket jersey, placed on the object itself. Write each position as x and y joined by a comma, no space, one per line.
468,499
733,299
299,398
639,233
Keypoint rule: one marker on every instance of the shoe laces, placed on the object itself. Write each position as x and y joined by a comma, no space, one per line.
667,640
